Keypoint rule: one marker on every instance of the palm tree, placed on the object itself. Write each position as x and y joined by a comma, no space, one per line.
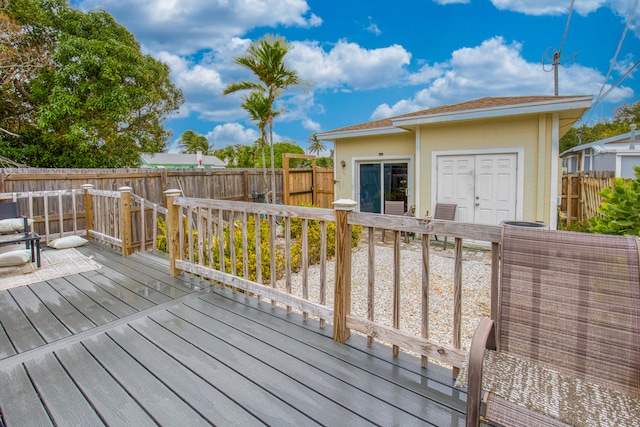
265,59
191,142
259,109
316,146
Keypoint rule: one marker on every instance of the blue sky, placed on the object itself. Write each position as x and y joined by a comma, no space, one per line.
369,59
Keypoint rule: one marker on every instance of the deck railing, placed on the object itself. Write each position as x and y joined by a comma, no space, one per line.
56,213
216,243
122,219
216,240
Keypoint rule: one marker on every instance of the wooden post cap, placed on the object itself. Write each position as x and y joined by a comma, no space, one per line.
173,192
125,189
344,205
87,186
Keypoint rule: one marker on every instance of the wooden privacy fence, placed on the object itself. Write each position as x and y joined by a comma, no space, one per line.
310,186
580,195
150,184
217,243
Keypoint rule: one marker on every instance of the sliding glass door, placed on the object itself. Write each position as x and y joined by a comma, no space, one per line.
379,182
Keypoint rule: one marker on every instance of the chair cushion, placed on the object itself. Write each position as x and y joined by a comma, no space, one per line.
11,225
10,248
556,395
67,242
12,258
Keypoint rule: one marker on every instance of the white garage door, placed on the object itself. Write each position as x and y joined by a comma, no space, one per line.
483,186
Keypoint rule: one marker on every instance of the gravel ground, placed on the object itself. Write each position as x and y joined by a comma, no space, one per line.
475,291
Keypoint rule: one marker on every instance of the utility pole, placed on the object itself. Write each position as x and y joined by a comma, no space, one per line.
555,58
556,62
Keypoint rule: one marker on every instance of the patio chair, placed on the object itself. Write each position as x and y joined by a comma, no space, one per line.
13,233
565,349
9,210
393,207
447,212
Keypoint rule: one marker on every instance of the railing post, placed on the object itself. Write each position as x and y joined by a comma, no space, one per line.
173,230
88,209
342,292
125,220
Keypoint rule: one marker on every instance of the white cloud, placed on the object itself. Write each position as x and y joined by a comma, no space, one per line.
348,64
622,8
445,2
373,27
496,68
186,27
623,65
311,125
548,7
231,134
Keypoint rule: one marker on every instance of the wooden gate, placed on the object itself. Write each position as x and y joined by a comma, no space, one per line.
581,194
309,186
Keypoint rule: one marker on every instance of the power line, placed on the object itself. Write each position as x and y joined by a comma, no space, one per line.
601,95
615,57
613,86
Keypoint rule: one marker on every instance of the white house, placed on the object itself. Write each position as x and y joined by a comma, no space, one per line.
618,154
495,158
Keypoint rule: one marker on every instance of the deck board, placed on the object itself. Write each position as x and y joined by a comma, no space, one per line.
195,355
95,312
282,384
19,401
214,405
348,378
6,347
148,391
20,331
118,307
49,328
68,315
113,403
67,405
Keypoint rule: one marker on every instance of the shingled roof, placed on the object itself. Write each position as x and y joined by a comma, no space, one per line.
476,104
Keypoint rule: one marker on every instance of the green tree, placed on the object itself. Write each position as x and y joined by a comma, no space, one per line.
624,115
98,101
191,142
260,110
316,146
620,208
280,148
265,59
239,155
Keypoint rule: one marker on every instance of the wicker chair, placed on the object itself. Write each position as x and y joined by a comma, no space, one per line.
393,207
568,334
447,212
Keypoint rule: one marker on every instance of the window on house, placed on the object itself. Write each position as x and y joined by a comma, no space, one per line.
586,159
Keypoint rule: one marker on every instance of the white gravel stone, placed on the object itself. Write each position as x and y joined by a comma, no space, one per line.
476,278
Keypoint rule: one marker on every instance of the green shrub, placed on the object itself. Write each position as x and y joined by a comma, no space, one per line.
579,226
313,239
620,208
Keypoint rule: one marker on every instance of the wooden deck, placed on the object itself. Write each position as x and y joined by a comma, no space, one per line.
130,345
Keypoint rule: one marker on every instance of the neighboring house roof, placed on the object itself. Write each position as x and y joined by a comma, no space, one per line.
475,109
614,144
179,159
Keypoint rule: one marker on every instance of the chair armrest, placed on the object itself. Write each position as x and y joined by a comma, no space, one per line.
483,338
